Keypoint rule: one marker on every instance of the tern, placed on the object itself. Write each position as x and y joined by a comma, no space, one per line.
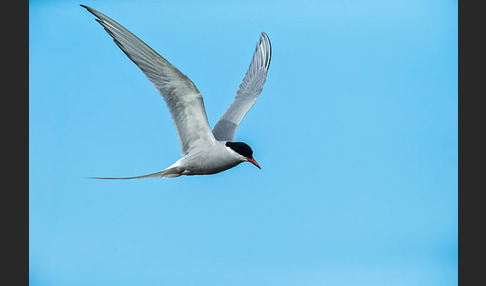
204,152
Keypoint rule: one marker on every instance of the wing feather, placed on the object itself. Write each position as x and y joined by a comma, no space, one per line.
248,92
183,99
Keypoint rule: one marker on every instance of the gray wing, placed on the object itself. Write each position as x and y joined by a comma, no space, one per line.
247,94
184,101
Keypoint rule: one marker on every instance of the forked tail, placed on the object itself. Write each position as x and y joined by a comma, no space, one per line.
167,173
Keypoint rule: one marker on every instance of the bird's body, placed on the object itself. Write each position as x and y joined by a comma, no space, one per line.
204,151
210,159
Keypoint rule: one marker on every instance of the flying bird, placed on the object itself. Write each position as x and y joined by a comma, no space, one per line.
204,151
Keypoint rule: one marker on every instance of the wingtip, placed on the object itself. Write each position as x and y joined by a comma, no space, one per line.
91,10
265,41
264,36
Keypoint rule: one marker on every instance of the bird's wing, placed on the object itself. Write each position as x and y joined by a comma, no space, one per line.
248,92
183,99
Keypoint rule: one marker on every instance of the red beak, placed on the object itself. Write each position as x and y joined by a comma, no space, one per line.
251,160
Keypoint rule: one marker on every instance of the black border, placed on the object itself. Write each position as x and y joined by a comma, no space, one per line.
470,143
15,121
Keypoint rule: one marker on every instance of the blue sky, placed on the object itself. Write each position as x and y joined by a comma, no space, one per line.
355,130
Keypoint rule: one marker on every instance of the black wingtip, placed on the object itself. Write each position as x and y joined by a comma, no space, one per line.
264,35
88,8
91,10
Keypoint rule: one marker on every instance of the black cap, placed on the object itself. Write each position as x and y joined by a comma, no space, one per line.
241,148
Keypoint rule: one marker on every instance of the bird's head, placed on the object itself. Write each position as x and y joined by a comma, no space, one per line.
244,150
